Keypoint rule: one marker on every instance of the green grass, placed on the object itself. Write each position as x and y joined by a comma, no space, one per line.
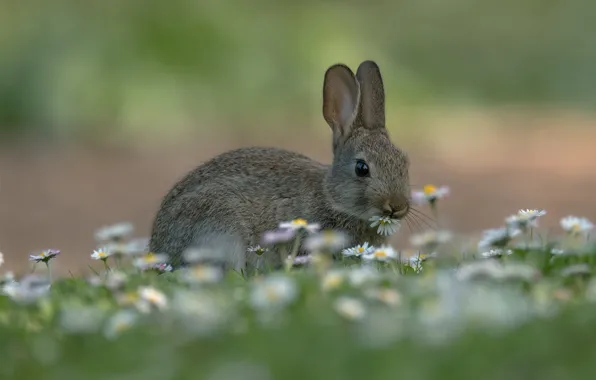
524,318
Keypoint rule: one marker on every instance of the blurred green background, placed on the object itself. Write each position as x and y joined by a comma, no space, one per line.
76,67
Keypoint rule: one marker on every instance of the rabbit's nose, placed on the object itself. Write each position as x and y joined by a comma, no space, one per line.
397,208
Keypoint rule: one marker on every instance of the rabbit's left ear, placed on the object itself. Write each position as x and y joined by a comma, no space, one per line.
372,95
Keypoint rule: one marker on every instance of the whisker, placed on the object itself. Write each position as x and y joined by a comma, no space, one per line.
427,220
415,222
422,214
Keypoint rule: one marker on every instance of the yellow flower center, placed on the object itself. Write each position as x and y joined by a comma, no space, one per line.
360,249
332,281
271,294
150,258
299,222
101,254
121,326
154,298
576,227
429,189
380,254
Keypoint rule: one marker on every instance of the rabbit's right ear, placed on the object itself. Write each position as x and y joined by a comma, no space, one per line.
341,100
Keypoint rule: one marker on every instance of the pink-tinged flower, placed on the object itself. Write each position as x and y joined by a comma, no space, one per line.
278,236
44,256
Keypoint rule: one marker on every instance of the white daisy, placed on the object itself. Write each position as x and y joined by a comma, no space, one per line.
151,297
384,253
273,292
350,308
101,254
257,250
300,224
327,240
415,261
429,194
114,232
525,219
386,225
44,256
359,250
429,240
497,237
576,226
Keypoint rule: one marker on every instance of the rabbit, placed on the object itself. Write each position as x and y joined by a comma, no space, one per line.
227,203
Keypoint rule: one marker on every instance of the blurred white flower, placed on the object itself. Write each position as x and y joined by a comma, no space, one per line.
78,319
525,219
201,312
149,260
134,247
430,240
495,252
202,274
386,225
384,253
300,224
333,280
497,237
495,270
120,322
115,280
582,269
361,276
327,240
576,226
31,288
388,296
114,233
273,292
150,297
350,308
429,194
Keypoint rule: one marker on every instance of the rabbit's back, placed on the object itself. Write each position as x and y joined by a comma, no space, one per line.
237,196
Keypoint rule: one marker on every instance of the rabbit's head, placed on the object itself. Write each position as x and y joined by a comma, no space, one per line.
369,175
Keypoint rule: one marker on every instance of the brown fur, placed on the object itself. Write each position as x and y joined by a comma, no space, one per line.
228,202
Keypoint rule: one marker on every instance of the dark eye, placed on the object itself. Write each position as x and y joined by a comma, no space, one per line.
361,169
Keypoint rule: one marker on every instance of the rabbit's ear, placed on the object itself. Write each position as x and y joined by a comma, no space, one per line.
373,95
341,99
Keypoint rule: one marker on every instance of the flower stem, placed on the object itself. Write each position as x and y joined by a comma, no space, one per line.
49,271
293,254
433,208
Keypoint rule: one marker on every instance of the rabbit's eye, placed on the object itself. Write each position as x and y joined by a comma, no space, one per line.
361,169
